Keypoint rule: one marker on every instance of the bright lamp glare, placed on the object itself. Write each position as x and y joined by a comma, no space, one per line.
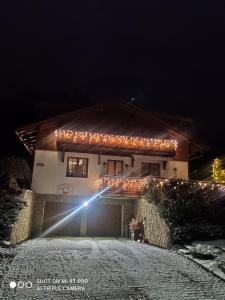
77,210
74,212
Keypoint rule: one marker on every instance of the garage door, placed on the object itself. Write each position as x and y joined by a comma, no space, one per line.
55,212
104,220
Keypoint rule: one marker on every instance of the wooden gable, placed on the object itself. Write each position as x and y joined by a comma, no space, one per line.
119,118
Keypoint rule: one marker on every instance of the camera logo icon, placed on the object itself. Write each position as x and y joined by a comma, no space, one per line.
12,284
21,284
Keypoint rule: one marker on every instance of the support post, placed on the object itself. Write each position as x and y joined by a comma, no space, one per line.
63,154
132,160
83,223
122,220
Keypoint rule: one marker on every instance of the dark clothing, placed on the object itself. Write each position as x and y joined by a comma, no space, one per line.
136,234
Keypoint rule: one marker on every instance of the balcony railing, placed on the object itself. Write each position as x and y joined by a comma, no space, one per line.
121,185
116,141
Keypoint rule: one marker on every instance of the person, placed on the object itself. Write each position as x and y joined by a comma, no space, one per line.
132,226
140,229
136,227
139,233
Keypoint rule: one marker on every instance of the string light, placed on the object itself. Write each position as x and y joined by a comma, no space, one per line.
218,174
125,184
118,141
137,185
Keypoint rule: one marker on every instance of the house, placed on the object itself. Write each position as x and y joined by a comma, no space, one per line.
105,147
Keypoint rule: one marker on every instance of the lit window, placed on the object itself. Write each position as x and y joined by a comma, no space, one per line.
115,168
150,169
77,167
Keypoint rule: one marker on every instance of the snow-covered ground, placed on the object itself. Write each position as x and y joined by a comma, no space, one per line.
106,269
209,254
7,255
216,243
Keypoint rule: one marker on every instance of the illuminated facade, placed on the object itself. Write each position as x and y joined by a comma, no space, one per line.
109,147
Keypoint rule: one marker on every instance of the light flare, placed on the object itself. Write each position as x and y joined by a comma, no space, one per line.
77,210
74,212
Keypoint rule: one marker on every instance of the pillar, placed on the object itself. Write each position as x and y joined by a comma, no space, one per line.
83,223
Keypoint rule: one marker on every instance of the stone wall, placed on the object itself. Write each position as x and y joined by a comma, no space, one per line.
21,229
156,230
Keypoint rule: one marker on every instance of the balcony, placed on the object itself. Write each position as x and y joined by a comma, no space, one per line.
132,186
86,141
127,186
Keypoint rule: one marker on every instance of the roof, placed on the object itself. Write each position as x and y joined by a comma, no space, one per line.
140,122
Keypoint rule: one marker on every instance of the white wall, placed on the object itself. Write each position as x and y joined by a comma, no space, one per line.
51,177
181,171
47,179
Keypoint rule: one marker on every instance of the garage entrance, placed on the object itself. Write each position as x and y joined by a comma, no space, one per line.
104,220
55,212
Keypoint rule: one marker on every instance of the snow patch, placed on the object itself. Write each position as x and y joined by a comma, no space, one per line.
209,254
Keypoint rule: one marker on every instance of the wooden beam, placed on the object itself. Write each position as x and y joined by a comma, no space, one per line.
80,148
63,154
132,161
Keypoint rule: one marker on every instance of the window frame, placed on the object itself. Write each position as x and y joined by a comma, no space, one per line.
115,161
77,158
150,163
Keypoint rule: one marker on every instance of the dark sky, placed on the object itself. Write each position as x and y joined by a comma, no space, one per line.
168,55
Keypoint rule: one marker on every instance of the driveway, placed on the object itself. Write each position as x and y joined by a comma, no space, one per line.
105,269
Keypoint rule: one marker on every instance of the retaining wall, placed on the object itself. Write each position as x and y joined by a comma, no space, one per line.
21,229
156,230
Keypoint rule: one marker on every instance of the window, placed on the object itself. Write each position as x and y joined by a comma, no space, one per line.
77,167
115,168
150,169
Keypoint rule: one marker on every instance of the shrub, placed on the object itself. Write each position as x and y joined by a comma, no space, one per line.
192,210
10,205
14,175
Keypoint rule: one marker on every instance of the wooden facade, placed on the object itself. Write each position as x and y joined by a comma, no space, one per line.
125,119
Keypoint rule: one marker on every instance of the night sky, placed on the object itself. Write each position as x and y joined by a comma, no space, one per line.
168,55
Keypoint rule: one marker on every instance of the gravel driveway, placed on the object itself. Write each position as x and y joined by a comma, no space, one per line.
105,269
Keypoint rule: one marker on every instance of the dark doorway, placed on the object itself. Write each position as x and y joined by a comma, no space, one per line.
104,220
55,212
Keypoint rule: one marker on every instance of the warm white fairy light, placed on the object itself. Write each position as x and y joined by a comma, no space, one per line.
118,141
131,184
136,185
